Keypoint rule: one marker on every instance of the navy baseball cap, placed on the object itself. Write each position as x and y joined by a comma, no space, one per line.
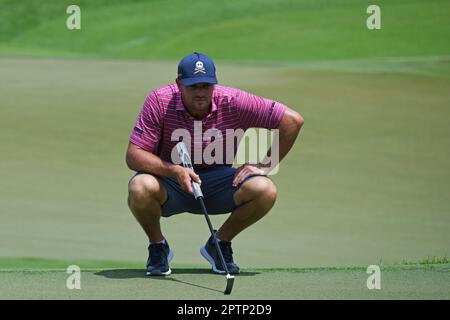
196,68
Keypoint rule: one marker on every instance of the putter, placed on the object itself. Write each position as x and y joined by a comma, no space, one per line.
186,161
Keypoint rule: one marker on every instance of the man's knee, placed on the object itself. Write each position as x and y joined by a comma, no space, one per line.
260,187
143,189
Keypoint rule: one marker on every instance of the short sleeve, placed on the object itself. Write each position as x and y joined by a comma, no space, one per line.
147,129
258,112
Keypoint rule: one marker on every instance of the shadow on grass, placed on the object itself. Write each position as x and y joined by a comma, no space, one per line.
140,273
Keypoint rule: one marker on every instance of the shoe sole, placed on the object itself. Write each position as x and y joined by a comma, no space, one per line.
168,272
210,259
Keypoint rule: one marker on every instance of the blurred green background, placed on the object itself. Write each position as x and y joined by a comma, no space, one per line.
367,182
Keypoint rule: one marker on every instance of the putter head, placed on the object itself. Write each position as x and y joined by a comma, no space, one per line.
230,282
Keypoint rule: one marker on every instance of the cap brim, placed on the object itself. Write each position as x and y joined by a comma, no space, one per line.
191,81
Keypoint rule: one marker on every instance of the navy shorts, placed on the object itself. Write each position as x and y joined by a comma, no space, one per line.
216,187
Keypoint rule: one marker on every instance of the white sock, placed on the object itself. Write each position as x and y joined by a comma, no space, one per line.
163,241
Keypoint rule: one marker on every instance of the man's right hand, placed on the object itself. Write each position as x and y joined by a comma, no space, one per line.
184,177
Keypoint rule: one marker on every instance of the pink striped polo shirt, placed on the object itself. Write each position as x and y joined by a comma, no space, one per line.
163,112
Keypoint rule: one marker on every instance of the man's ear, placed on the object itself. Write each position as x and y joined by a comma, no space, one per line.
178,82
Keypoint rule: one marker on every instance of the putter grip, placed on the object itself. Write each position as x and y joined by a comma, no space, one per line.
186,161
197,191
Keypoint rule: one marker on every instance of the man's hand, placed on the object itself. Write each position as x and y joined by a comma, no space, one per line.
289,128
184,177
247,170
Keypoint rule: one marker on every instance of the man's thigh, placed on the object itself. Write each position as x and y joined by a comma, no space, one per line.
176,199
217,189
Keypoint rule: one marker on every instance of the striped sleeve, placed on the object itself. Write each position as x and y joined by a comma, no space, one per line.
147,129
258,112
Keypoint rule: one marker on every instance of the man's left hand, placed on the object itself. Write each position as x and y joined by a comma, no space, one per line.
247,170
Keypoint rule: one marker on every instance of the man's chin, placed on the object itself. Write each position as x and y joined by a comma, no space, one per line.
200,106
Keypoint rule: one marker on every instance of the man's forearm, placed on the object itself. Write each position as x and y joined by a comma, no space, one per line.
143,161
288,131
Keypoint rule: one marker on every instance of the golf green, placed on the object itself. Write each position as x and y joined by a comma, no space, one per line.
366,183
418,281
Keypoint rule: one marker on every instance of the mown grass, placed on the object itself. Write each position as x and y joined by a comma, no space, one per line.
35,264
251,30
370,164
108,281
427,260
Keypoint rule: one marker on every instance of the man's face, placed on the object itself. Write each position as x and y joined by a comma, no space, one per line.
198,96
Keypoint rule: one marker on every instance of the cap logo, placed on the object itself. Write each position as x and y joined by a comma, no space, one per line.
199,67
